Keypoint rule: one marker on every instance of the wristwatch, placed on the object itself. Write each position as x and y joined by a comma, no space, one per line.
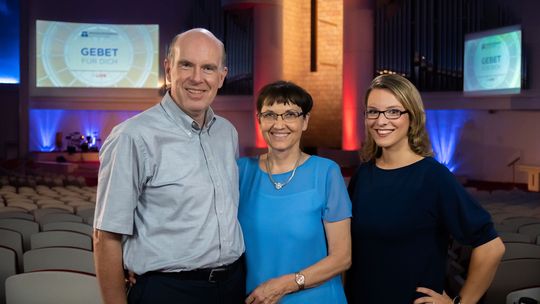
300,280
457,300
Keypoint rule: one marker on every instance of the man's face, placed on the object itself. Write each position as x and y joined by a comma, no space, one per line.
196,73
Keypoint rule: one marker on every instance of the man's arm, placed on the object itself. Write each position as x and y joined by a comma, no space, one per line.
109,266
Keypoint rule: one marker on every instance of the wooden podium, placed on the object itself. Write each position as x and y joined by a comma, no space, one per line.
533,173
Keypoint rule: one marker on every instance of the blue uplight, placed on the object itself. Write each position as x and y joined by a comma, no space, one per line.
9,39
91,123
444,127
43,128
9,80
80,127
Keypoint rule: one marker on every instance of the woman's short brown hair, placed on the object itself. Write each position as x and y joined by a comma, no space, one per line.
284,92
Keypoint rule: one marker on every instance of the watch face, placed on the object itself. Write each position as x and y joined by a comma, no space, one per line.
300,279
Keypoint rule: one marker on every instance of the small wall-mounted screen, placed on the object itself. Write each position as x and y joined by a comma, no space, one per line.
492,62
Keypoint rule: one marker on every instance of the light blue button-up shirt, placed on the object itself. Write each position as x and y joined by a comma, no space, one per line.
171,188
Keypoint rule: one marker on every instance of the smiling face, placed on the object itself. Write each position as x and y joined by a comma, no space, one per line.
195,72
390,135
280,135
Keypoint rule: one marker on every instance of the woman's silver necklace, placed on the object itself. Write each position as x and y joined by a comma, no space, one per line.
279,185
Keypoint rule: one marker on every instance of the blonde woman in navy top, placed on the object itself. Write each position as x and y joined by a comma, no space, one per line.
405,207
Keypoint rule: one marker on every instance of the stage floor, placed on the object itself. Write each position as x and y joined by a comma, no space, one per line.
85,164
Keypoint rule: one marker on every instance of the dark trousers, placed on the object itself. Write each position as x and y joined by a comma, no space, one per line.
156,287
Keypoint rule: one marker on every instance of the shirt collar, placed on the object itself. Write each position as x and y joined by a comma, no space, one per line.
181,118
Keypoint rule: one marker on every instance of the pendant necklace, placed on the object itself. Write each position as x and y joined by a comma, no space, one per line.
279,185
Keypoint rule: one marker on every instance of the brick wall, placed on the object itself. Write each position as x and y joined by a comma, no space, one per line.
325,85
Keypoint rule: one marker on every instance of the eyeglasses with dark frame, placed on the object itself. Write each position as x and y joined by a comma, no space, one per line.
288,116
389,114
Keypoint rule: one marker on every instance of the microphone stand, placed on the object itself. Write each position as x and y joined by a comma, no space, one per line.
513,165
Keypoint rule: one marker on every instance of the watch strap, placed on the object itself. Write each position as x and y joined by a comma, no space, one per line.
300,280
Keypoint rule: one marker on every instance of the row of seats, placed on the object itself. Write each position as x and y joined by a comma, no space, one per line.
46,228
514,213
516,216
60,229
33,180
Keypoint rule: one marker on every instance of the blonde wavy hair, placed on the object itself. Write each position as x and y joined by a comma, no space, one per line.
407,94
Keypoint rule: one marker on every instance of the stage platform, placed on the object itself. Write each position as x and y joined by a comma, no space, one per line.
85,164
69,157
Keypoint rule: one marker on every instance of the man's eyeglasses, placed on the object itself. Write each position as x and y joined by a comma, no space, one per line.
389,114
288,116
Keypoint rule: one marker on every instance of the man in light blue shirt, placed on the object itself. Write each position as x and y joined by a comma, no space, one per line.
168,191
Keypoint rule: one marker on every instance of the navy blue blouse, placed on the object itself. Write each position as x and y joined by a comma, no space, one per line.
402,220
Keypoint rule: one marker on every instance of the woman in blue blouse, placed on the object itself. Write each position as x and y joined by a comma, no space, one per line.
294,209
405,207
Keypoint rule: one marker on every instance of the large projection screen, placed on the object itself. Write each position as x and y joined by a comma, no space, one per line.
492,62
87,55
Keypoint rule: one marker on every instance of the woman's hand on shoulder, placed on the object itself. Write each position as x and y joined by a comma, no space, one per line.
273,290
432,297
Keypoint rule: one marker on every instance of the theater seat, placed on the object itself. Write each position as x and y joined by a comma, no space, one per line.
521,251
59,258
52,287
7,267
60,239
513,275
527,295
